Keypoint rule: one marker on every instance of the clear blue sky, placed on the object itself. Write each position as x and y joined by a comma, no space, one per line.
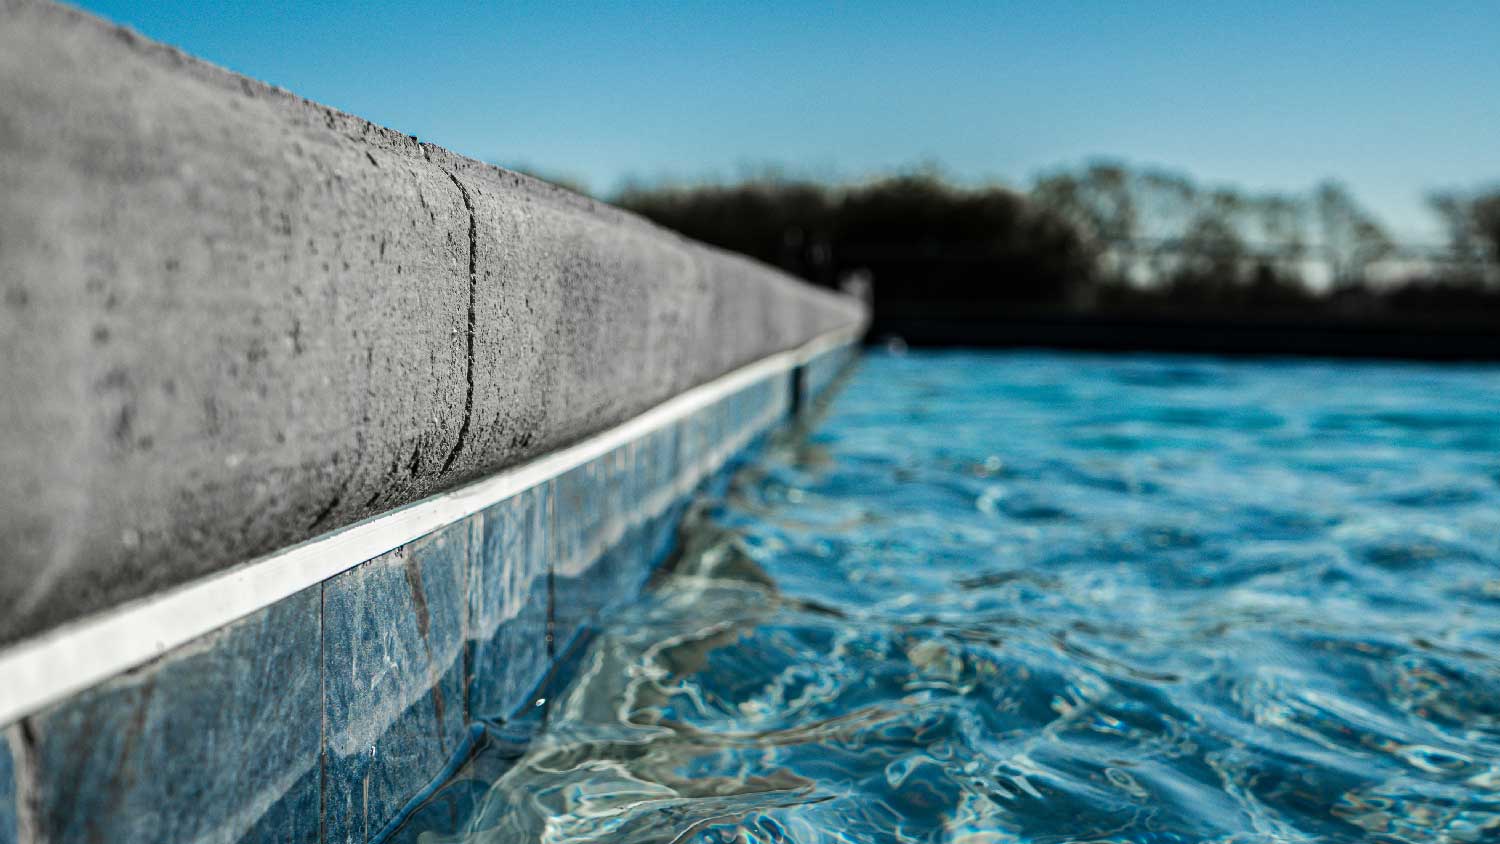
1394,98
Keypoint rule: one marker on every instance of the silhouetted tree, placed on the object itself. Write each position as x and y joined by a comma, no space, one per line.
1472,223
1104,238
922,241
1352,239
787,224
1101,205
1487,220
925,241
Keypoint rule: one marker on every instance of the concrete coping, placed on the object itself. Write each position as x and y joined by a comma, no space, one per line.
233,320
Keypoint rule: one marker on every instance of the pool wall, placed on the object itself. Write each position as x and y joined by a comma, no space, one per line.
321,444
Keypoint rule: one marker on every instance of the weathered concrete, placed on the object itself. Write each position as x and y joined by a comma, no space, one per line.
231,319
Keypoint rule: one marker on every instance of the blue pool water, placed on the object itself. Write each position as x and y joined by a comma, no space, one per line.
1023,597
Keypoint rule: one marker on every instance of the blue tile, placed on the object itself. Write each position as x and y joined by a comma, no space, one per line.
744,409
451,812
218,740
628,528
716,424
694,432
667,462
620,506
508,607
752,406
599,559
708,425
823,370
636,496
746,417
652,467
660,533
10,832
686,446
577,507
737,412
779,393
394,698
766,406
658,474
719,428
577,517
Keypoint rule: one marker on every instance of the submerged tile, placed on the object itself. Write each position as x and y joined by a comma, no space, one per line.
508,604
693,434
663,462
217,741
616,517
10,821
820,372
448,813
600,556
657,474
394,702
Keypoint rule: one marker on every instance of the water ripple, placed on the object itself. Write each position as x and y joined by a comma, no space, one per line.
1053,598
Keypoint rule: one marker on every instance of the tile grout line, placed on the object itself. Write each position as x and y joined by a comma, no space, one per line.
22,739
323,712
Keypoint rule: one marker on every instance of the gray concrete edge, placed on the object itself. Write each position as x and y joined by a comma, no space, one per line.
233,319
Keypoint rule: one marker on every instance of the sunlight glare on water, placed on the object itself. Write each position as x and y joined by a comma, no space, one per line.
1025,597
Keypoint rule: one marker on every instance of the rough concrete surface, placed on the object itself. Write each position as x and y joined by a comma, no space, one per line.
232,319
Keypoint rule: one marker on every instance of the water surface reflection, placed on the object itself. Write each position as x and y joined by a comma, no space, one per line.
1047,598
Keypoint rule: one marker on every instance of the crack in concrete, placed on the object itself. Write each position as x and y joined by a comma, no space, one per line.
463,430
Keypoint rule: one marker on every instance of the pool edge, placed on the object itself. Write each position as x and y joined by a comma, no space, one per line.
341,697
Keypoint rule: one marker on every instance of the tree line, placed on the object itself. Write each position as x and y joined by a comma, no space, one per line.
1101,238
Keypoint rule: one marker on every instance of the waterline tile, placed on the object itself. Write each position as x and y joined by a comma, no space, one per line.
394,701
218,740
509,602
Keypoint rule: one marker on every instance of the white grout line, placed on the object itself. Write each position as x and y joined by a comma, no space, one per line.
80,654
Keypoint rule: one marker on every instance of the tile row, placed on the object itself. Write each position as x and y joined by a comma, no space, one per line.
820,373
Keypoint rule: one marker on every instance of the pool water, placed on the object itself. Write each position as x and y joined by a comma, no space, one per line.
1026,597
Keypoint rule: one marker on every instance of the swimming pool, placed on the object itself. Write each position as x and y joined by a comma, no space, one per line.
1000,597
